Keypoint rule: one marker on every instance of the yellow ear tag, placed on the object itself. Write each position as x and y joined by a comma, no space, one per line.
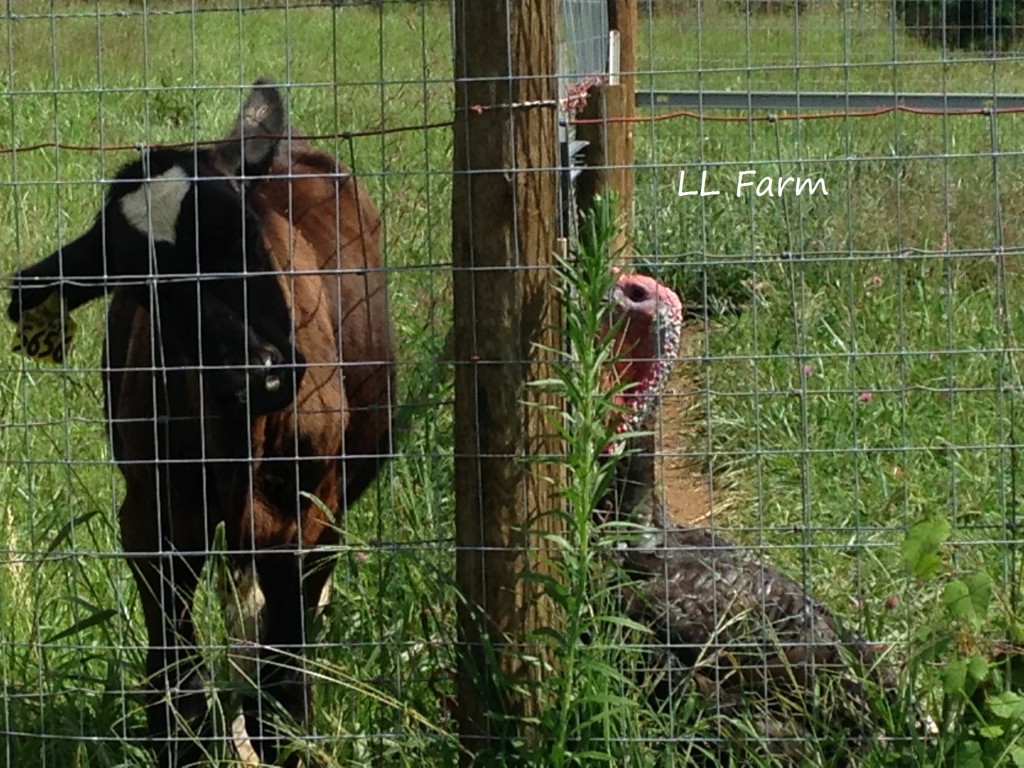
45,332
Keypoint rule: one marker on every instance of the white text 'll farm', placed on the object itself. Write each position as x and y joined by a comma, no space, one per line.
766,186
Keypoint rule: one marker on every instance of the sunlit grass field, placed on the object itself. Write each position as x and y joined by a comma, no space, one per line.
858,353
860,369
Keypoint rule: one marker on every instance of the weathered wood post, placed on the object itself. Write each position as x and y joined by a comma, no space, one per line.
608,159
606,123
503,240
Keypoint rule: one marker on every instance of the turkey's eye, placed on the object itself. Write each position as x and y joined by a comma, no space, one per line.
637,293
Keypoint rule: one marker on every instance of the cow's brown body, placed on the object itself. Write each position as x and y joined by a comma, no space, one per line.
188,468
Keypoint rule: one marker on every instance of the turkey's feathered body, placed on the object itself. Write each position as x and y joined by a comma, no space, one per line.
698,591
750,640
755,647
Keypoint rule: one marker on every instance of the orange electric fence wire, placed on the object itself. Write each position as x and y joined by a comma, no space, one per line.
481,108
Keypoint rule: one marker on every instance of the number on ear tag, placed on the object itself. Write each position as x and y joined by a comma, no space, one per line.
45,332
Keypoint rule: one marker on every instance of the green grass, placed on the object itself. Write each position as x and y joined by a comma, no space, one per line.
871,379
825,481
900,285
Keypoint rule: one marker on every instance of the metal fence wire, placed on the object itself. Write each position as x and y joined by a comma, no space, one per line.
227,517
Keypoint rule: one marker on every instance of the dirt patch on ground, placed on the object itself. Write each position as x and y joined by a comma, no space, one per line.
686,488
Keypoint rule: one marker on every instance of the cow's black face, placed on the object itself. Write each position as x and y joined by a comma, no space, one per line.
179,236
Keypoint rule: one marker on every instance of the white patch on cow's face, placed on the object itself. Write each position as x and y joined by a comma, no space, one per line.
165,194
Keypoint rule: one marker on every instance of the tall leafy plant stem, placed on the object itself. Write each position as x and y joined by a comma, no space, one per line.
587,426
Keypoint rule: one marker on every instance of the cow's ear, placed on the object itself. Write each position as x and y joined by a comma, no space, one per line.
261,124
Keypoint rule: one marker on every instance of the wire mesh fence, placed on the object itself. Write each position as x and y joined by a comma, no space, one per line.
847,345
843,410
93,82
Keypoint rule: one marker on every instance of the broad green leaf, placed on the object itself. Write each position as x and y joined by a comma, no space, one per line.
980,585
977,668
957,599
954,675
968,755
1007,705
921,547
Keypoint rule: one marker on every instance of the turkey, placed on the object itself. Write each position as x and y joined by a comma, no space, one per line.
746,639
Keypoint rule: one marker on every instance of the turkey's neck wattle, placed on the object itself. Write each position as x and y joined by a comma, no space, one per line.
646,349
639,365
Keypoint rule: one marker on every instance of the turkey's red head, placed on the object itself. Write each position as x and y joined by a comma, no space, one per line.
646,346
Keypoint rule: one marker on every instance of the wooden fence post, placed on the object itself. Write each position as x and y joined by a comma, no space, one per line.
611,106
504,230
